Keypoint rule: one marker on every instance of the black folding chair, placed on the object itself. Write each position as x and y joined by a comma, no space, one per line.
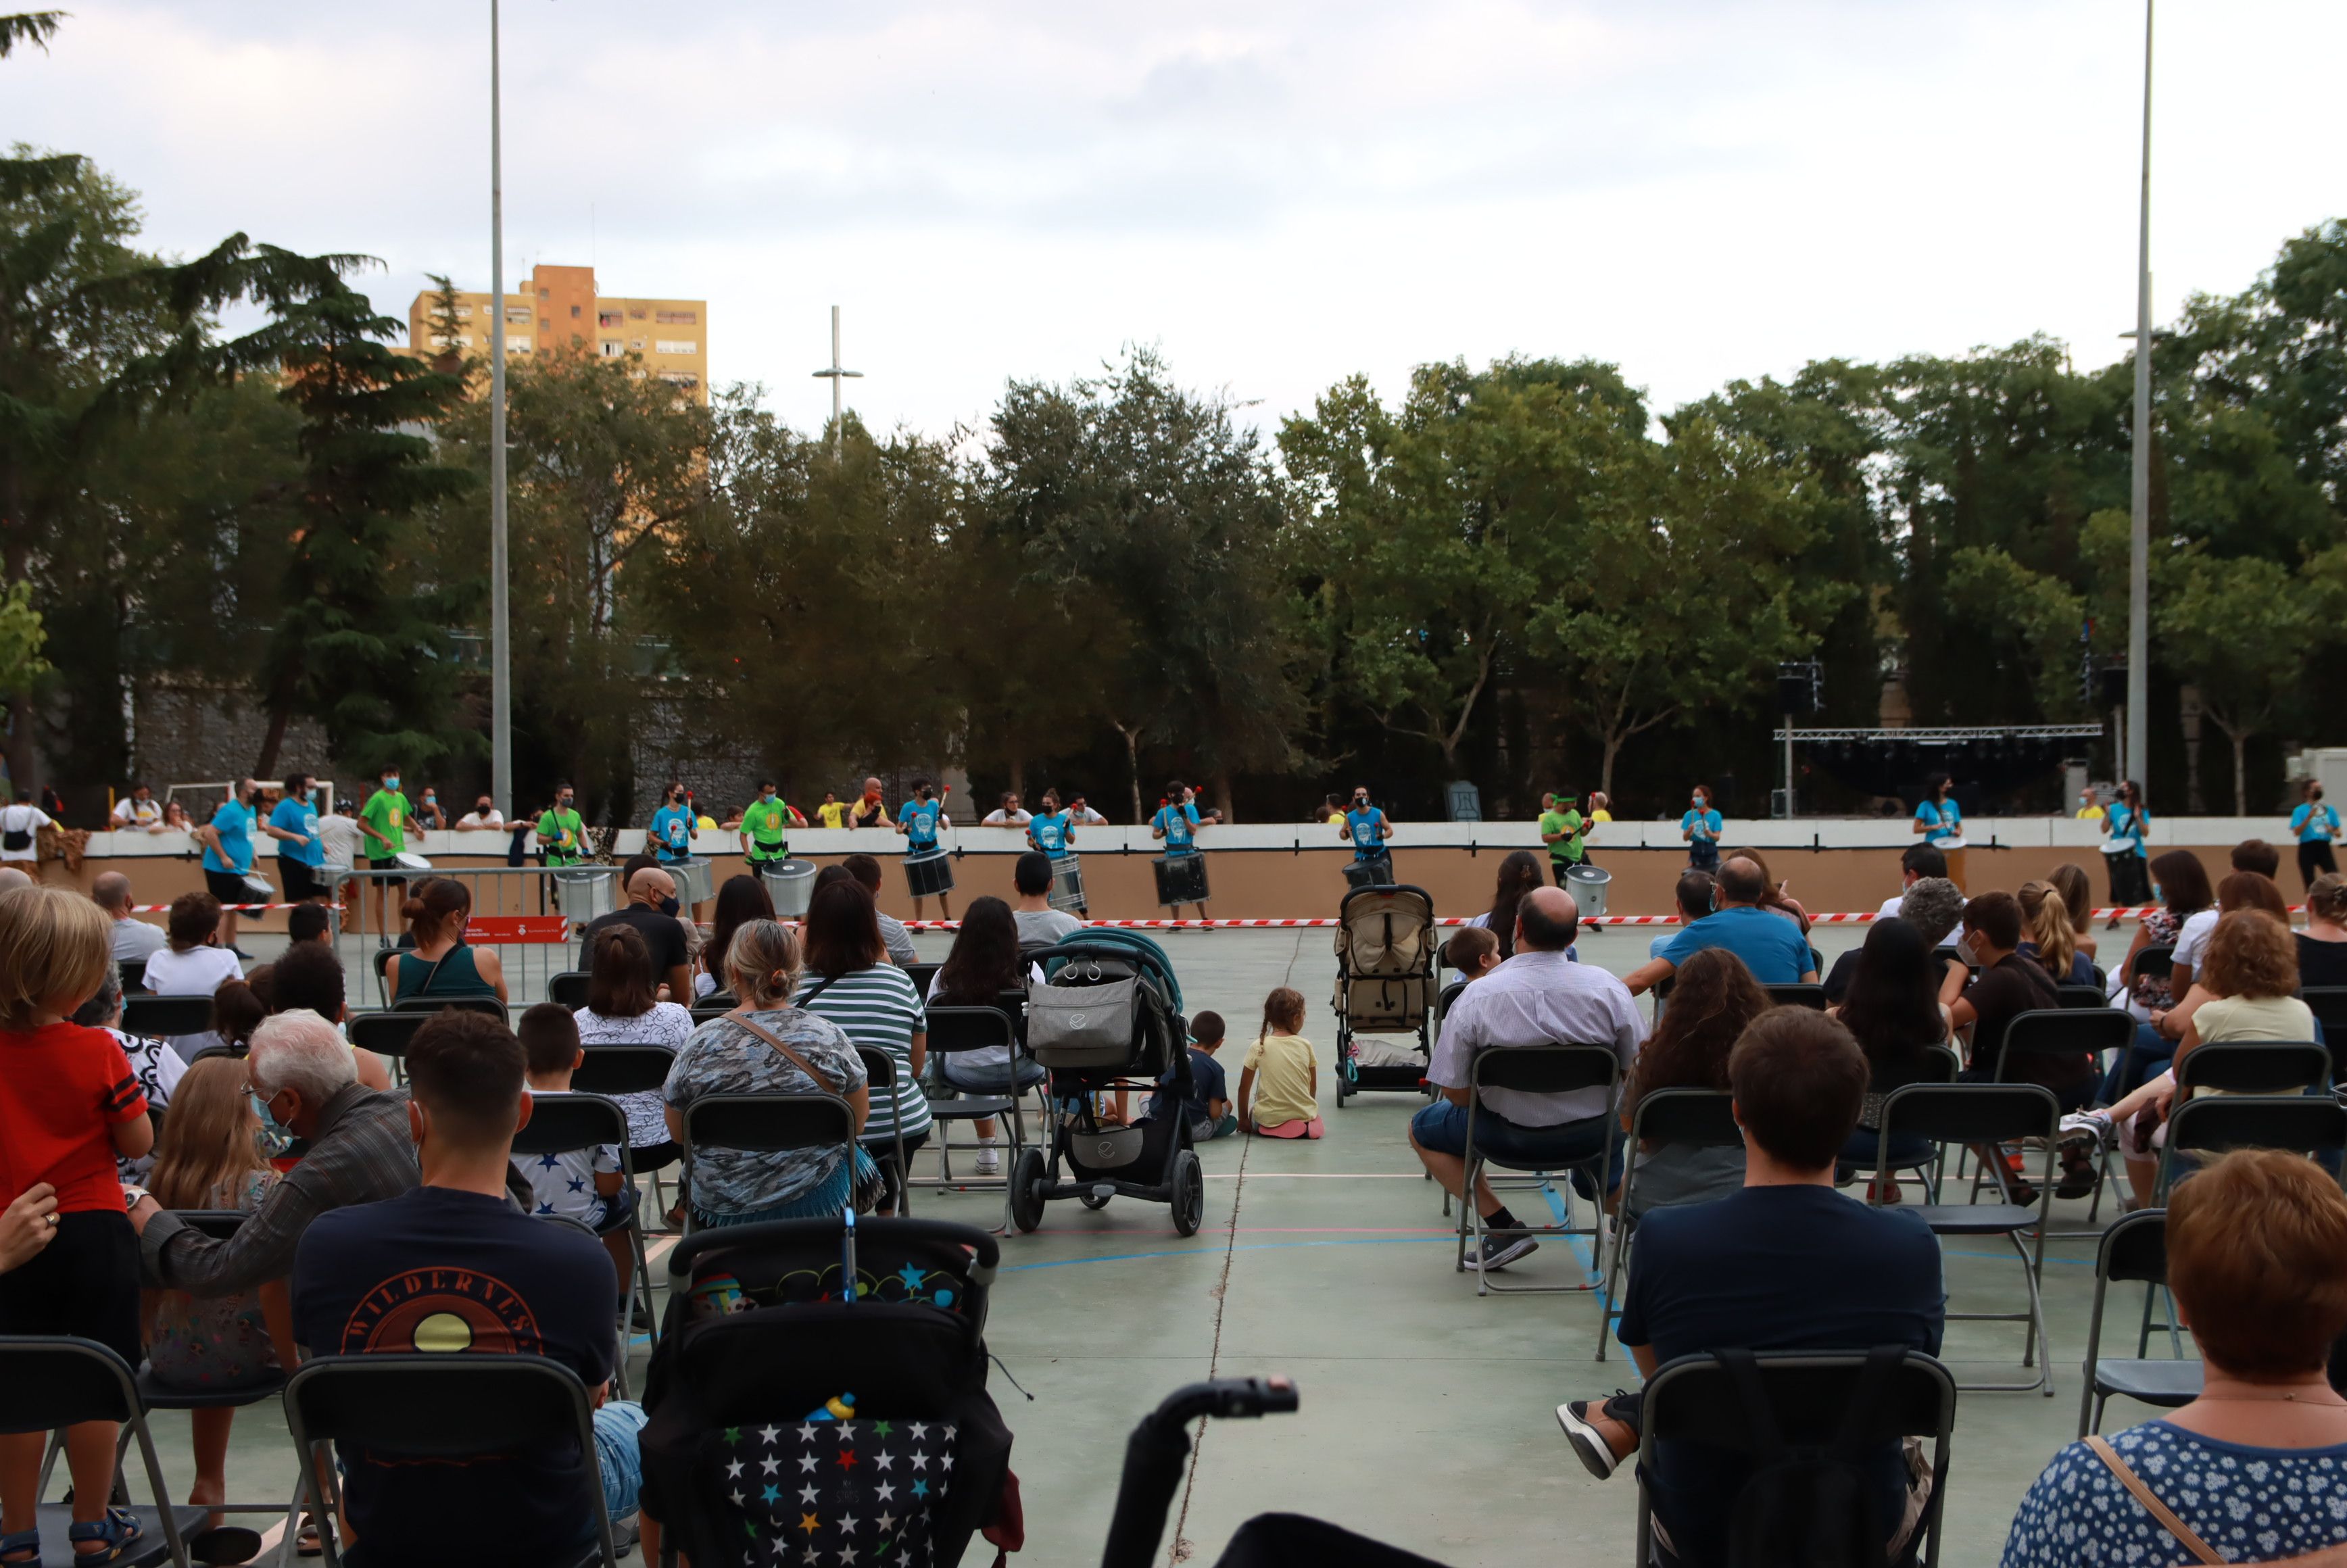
766,1125
2066,1031
1935,1064
2157,962
57,1381
133,975
382,957
880,1077
1809,1397
2329,1005
577,1121
567,989
1538,1070
921,975
2253,1067
627,1069
1796,996
1694,1118
2084,998
2213,1123
1447,995
954,1030
387,1034
1993,1115
708,1009
2134,1250
429,1005
444,1409
155,1017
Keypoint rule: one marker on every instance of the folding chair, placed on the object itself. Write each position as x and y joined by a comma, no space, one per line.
382,956
567,1124
1447,995
2132,1250
627,1068
2253,1067
1937,1064
953,1029
766,1125
2213,1123
2329,1005
437,1408
1699,1118
1796,996
134,976
1539,1069
567,989
707,1011
429,1005
1807,1395
880,1077
2067,1031
55,1381
2084,998
153,1018
387,1034
921,975
1993,1115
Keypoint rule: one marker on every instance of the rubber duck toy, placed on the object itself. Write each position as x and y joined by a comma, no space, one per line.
840,1409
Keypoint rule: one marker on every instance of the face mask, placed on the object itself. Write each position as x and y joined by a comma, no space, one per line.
482,807
564,803
668,906
273,1132
391,783
767,797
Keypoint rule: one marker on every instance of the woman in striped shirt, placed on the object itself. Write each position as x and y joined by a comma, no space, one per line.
850,981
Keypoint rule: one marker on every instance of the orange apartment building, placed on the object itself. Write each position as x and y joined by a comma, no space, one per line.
558,311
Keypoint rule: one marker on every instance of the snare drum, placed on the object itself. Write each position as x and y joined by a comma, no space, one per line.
411,862
928,874
1068,886
1181,878
262,887
790,884
1377,871
692,880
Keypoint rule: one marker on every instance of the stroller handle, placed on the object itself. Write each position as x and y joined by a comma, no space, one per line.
987,1250
1153,1457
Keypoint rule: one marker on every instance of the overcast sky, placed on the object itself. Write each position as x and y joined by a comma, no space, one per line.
1276,194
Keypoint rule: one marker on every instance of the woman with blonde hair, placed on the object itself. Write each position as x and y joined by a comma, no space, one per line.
2051,939
2079,899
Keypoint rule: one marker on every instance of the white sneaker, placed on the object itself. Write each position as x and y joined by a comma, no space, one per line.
2088,1128
990,1160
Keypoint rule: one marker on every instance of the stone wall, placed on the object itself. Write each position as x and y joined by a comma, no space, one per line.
190,734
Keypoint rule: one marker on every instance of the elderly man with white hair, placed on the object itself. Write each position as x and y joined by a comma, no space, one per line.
303,1072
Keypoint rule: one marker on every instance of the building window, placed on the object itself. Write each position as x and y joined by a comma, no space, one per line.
635,315
683,378
678,318
574,312
677,345
517,346
636,345
517,315
611,349
443,341
608,319
464,313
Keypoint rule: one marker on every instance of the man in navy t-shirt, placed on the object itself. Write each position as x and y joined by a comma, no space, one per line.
1787,1264
1771,945
456,1267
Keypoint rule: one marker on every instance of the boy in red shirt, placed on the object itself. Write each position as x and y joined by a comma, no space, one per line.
68,1104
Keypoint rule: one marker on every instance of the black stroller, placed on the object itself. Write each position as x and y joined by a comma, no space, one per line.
1109,1012
787,1414
1384,987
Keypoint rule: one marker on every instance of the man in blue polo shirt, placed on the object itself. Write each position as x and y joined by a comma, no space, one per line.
301,851
1771,944
228,857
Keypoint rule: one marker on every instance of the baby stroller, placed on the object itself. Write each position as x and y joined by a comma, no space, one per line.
1110,1010
1385,986
766,1361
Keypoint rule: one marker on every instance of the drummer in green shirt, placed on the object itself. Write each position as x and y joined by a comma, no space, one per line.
1560,829
767,827
382,827
561,833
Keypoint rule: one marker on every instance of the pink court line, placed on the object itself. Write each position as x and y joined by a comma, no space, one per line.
1318,1176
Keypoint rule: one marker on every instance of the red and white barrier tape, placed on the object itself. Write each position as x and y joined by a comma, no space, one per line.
1858,918
229,908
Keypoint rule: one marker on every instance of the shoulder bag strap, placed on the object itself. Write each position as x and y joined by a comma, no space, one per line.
741,1015
2200,1550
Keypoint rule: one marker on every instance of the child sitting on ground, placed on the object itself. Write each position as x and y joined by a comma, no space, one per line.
581,1185
1279,1081
68,1104
209,1156
1209,1104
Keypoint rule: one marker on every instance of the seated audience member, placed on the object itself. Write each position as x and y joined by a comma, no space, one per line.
1537,998
308,975
620,1010
2251,857
2163,1026
1279,1081
866,869
1785,1264
1771,945
1715,999
1935,907
442,964
1473,951
581,1184
1692,897
455,1246
2256,1263
984,963
1209,1104
2049,937
2259,858
310,922
766,1046
2078,901
192,963
651,909
850,981
153,1062
237,1012
2323,946
2009,985
1892,1006
306,1081
1773,897
1039,924
134,940
1917,862
739,900
1519,873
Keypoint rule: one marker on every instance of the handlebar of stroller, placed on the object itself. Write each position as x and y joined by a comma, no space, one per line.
1153,1457
987,1250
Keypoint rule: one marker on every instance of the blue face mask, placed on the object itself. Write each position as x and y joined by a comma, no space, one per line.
391,783
275,1136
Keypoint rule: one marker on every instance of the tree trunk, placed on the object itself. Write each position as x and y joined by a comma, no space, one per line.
1605,767
2240,772
1018,775
1220,782
265,765
1132,766
22,754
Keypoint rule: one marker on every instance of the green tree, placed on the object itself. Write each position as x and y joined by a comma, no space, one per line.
2241,630
22,637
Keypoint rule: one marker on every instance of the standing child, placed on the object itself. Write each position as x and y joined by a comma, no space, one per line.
68,1106
1279,1082
581,1185
209,1156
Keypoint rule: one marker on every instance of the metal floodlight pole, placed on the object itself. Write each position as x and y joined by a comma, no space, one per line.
836,375
2138,727
501,630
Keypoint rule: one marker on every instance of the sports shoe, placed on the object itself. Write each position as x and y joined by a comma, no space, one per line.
1596,1454
990,1160
1499,1251
2088,1128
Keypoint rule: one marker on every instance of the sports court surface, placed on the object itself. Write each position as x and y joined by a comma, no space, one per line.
1427,1414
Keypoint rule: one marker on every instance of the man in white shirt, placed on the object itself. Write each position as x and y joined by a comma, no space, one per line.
1540,997
20,826
1037,921
1082,816
1921,860
134,940
139,811
484,817
866,869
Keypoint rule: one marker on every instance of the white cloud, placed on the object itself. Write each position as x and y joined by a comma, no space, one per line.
1277,194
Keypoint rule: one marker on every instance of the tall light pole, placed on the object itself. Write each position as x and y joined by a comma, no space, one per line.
500,631
2139,728
836,377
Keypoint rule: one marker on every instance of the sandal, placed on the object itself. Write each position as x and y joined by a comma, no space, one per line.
115,1534
22,1542
305,1538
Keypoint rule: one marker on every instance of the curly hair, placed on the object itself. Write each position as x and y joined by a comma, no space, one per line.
2251,954
1712,997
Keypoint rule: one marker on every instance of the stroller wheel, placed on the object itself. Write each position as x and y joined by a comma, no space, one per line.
1027,1190
1094,1200
1189,1194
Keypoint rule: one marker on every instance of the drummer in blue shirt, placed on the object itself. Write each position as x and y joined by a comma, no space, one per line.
1051,829
300,850
1367,829
228,857
673,828
1700,825
918,821
1942,823
1177,823
2316,826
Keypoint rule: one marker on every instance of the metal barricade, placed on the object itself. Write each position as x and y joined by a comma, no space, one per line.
531,914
